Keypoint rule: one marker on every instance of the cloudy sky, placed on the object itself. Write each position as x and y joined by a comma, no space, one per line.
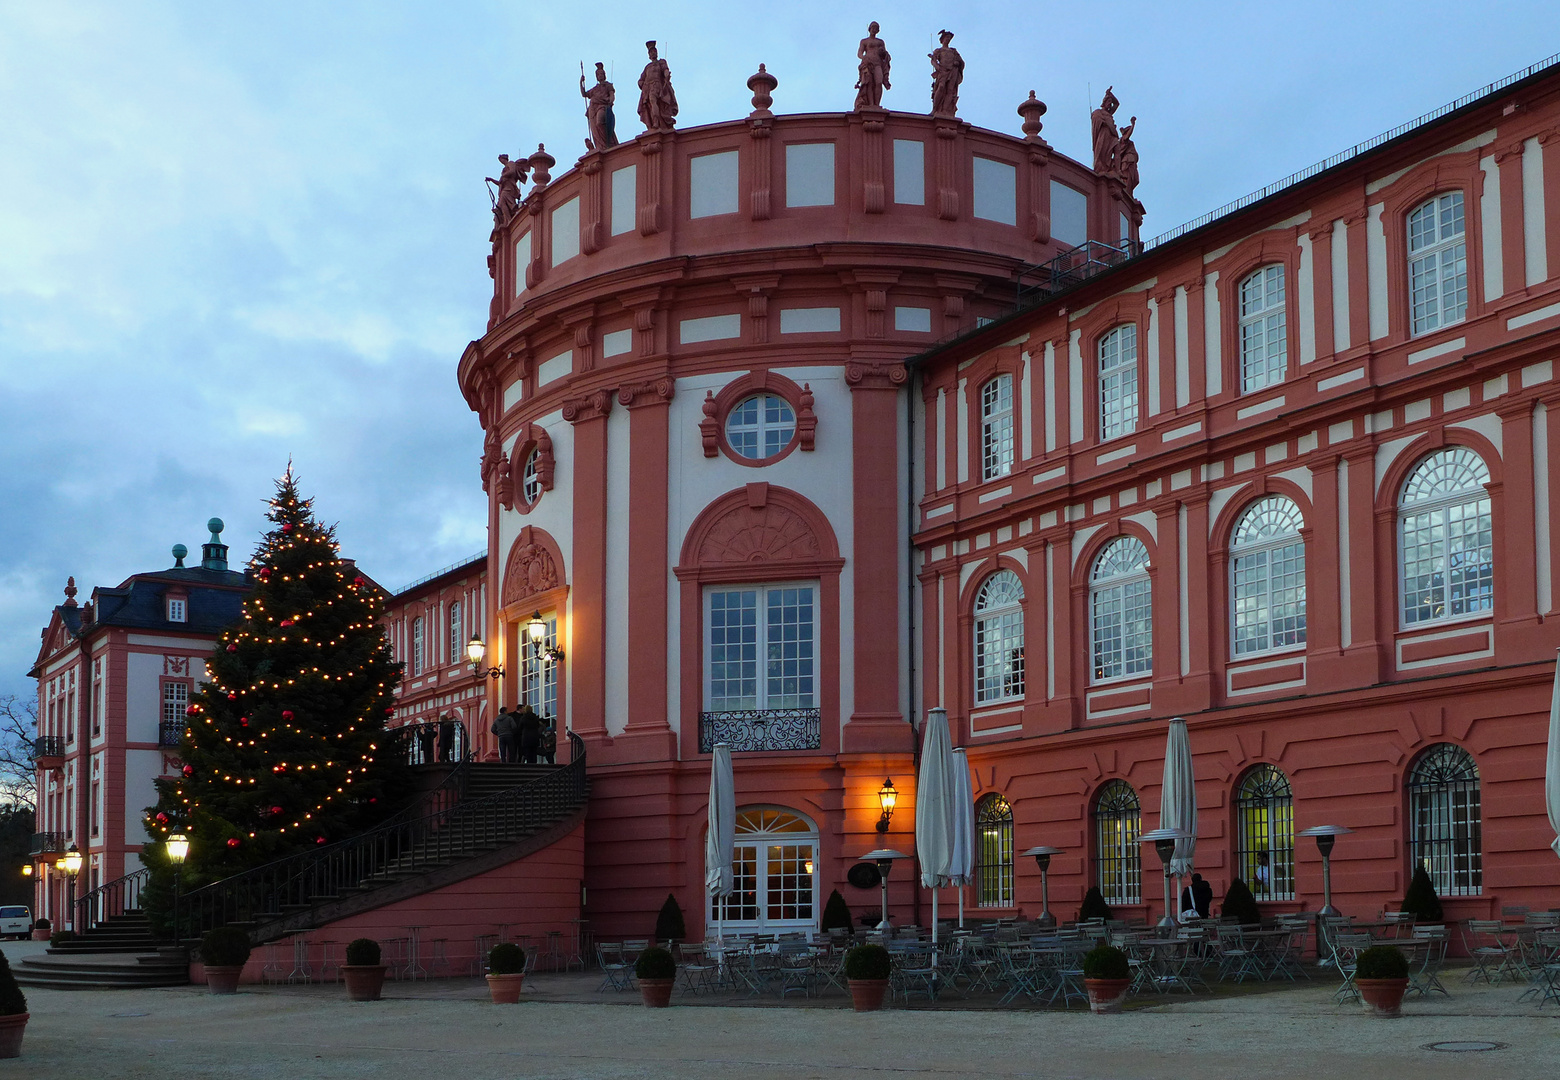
231,234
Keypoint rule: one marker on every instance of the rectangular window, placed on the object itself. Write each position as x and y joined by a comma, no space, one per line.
1121,617
1118,382
1263,340
625,185
1126,230
761,649
996,191
457,634
1069,215
418,655
996,427
1438,263
539,685
712,184
914,320
809,174
522,261
70,715
96,805
910,172
616,343
175,700
812,320
175,610
709,328
566,231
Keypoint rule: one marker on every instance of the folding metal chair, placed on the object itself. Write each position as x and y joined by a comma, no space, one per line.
618,973
1492,957
1346,948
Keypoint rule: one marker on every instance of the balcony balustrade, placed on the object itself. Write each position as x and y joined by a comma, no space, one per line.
761,729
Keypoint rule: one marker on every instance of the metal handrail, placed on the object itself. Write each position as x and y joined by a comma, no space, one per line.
408,844
114,898
47,843
420,744
48,746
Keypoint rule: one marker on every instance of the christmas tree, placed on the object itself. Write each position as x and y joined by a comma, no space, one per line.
286,746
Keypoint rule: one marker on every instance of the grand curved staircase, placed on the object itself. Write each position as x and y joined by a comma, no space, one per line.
482,816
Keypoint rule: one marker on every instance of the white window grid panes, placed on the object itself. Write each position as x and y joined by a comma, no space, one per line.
531,478
733,650
1267,577
175,610
1118,382
1121,611
777,624
1438,263
417,646
1446,539
539,681
1263,340
1445,820
457,637
1118,819
760,427
996,427
999,638
175,700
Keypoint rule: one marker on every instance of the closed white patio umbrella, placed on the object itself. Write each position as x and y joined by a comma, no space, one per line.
1178,800
962,864
935,807
1552,767
721,835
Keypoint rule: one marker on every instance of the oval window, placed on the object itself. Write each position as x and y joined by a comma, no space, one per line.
760,426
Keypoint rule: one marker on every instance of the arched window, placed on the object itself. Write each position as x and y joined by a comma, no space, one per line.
1438,263
1117,821
761,426
1118,382
1446,539
1264,345
1267,577
1444,820
531,482
1265,834
774,860
1121,611
999,638
996,428
994,851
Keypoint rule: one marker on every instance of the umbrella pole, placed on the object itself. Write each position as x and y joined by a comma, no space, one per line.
961,905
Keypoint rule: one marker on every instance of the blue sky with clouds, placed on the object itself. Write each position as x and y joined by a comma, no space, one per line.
231,234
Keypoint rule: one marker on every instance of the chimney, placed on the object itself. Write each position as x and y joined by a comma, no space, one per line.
213,553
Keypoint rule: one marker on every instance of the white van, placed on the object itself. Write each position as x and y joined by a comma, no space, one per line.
15,922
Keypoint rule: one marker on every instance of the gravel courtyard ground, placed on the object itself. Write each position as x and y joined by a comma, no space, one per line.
563,1029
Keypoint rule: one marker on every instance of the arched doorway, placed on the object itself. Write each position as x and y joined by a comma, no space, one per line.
774,860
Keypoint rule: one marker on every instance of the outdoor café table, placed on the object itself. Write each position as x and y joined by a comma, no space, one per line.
1266,947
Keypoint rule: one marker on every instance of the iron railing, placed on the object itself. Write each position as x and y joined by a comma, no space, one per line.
433,742
1075,265
48,843
48,746
761,729
170,732
107,901
278,897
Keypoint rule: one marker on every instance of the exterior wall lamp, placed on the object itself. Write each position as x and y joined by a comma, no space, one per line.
475,651
536,630
27,869
887,797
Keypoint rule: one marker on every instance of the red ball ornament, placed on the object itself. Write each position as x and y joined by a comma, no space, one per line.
360,581
189,770
287,714
264,574
285,622
233,648
287,527
278,768
191,710
276,811
232,841
232,696
162,819
319,839
244,720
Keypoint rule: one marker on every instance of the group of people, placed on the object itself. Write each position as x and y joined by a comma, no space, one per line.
525,738
435,742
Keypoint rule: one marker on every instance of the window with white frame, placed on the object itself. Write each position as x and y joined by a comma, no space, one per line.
1267,577
996,428
760,427
761,647
1437,263
1444,820
175,609
457,636
999,638
774,863
1118,818
1121,611
531,478
418,641
175,701
1263,337
539,682
1119,382
1446,539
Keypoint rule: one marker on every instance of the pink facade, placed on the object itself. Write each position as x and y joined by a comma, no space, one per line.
429,624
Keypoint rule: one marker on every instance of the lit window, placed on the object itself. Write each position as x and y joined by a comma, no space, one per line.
774,863
760,652
996,427
175,610
1118,382
539,684
1446,538
999,638
1118,819
1263,343
531,479
760,426
1121,611
994,851
1267,577
1444,820
1265,834
1438,263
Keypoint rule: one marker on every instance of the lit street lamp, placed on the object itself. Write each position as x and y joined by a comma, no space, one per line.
178,846
70,865
1042,856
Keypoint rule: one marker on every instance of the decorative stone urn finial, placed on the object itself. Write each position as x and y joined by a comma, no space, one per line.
1032,110
763,86
540,162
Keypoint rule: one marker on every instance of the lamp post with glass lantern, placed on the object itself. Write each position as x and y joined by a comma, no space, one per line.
1164,843
70,865
1326,836
27,872
177,846
1042,855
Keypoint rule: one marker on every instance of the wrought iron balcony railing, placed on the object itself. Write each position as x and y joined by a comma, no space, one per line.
760,729
48,843
170,732
48,746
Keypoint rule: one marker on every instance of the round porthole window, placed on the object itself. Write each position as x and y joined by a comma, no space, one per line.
760,427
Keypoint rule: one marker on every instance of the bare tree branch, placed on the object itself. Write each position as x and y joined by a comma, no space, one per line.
18,727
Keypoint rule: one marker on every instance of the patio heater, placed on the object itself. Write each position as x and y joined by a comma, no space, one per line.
884,857
1164,843
1042,856
1326,836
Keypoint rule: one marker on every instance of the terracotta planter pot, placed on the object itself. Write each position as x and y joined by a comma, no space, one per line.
223,978
1106,995
866,995
11,1029
506,988
1382,997
41,935
364,981
656,993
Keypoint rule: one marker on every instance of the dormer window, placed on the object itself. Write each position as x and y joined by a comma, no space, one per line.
176,609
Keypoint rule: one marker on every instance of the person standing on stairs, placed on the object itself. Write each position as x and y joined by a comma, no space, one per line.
550,742
529,728
506,727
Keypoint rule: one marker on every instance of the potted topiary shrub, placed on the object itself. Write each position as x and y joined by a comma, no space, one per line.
1421,898
1241,905
669,924
866,972
364,974
41,930
224,952
836,914
506,973
13,1012
1094,906
656,971
1106,976
1381,974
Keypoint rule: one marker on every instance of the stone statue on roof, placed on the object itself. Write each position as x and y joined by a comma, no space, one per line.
599,118
1127,159
872,72
657,101
1106,136
507,202
947,74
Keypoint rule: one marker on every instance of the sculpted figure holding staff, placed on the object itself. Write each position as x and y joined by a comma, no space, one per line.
657,101
598,110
